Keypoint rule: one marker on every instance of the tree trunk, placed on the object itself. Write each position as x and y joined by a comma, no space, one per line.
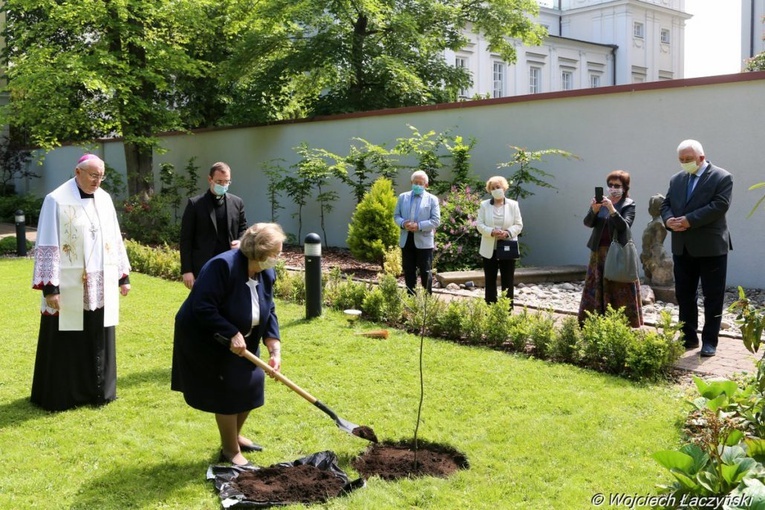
356,89
139,162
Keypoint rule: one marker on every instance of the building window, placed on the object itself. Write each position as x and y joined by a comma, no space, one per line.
566,80
498,89
638,30
665,36
535,80
462,63
639,74
594,80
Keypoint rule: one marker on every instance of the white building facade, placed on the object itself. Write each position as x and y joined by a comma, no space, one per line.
591,43
752,28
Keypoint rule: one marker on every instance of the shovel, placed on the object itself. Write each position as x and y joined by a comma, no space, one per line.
359,431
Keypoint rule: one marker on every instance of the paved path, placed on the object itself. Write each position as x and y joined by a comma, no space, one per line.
731,356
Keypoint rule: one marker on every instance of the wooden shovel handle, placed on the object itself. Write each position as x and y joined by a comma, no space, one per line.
279,377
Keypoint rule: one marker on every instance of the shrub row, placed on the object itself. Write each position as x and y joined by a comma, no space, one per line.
162,261
604,342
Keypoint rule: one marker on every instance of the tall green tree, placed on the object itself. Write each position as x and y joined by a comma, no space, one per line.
322,56
82,69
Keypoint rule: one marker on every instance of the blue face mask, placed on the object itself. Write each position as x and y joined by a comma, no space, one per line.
219,189
417,189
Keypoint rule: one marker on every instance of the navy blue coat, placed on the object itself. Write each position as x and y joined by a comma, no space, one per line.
211,377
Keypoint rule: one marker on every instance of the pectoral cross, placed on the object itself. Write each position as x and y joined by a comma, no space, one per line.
93,231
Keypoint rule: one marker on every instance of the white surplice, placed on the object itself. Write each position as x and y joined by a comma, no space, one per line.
80,249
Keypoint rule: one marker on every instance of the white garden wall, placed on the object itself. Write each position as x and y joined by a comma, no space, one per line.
631,127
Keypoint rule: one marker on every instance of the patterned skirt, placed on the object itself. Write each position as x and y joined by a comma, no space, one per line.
599,292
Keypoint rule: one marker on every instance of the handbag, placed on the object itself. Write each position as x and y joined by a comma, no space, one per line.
621,261
507,249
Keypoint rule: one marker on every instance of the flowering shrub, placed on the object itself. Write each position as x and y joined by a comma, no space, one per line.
457,240
148,220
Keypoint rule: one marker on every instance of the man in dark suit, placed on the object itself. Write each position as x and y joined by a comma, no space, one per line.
694,211
212,223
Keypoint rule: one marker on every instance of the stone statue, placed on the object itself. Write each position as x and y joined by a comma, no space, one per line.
657,265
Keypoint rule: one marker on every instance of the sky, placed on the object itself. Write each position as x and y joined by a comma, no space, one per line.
712,37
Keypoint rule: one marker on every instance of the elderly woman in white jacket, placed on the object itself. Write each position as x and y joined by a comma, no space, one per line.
498,218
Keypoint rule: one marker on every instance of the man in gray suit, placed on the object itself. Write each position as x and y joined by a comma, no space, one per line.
418,214
694,211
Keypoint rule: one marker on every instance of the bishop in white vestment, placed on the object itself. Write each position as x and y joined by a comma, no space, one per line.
81,266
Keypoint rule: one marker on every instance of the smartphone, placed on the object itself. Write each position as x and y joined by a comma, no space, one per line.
598,194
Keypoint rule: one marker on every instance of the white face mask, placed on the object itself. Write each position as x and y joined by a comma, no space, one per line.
691,167
615,192
269,263
498,193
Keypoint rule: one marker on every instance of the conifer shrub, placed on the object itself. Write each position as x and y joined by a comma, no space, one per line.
372,231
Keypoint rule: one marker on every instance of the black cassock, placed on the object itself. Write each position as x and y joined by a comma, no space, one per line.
75,368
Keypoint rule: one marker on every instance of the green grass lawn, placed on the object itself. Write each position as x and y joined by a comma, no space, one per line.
537,435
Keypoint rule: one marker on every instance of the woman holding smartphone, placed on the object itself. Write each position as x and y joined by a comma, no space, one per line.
609,217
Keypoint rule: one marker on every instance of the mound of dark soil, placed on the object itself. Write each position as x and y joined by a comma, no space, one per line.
394,460
313,479
289,484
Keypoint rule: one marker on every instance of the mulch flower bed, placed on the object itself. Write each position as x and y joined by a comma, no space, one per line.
331,258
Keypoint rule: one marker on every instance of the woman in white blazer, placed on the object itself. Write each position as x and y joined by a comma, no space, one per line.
498,218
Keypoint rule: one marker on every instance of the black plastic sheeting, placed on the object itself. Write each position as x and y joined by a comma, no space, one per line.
231,497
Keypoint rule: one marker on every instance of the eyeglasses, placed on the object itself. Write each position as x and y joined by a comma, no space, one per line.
96,177
222,183
615,186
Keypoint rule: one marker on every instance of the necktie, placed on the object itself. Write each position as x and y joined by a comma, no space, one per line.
691,183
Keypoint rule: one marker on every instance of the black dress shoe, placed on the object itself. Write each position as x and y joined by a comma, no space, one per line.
251,448
223,458
691,346
708,351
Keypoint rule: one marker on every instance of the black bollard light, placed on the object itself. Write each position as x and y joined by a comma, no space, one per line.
312,252
21,234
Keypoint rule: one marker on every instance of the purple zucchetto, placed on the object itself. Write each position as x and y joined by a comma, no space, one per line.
86,157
